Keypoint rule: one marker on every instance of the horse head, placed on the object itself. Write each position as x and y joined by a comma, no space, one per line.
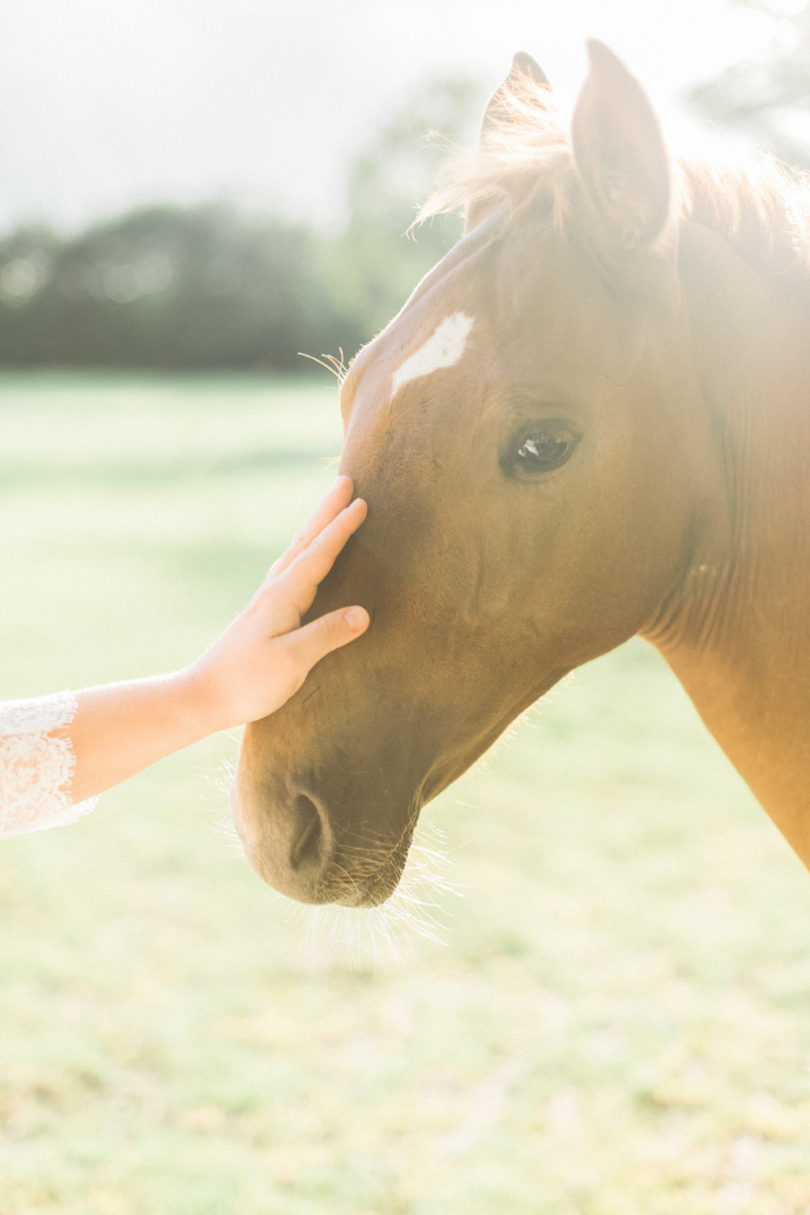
526,436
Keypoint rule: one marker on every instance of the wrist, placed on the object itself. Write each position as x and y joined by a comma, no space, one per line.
201,700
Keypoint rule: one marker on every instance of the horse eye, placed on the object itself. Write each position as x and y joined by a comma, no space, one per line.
539,448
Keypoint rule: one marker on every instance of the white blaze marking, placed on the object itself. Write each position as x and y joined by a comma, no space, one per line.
443,349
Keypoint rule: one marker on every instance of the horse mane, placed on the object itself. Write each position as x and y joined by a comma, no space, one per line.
762,211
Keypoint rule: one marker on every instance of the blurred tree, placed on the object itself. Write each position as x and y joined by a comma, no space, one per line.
28,259
169,287
379,259
165,287
768,98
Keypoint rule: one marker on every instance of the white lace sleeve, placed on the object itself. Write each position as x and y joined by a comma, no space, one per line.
36,764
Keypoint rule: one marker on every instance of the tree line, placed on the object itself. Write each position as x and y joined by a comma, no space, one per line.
205,287
169,287
210,286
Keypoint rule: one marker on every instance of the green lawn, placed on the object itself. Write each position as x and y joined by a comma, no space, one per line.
617,1020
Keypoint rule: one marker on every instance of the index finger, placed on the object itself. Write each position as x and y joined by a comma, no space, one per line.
312,565
329,507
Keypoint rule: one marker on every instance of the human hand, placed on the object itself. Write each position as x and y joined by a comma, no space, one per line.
265,654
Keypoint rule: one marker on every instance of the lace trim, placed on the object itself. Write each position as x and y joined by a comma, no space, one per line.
36,764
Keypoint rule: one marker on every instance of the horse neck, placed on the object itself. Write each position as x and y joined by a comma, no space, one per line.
738,635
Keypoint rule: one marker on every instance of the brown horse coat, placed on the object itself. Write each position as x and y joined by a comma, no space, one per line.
588,422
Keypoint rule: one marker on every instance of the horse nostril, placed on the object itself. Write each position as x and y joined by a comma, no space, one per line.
306,849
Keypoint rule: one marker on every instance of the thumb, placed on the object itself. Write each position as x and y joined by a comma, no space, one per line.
313,641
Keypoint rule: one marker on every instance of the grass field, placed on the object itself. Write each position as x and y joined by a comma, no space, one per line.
616,1022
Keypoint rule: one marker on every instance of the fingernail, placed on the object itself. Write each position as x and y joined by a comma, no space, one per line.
356,618
336,485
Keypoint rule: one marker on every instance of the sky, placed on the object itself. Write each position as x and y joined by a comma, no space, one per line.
107,104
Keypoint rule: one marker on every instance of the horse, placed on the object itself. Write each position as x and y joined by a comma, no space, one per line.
588,422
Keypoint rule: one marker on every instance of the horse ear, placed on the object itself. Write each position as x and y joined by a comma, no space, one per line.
523,68
527,66
496,114
620,154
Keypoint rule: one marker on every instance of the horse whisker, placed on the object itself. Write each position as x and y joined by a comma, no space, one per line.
386,932
335,365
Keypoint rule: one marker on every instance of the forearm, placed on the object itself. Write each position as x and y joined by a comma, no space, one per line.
118,729
253,668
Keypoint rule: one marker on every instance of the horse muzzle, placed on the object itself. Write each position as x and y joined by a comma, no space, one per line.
294,846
